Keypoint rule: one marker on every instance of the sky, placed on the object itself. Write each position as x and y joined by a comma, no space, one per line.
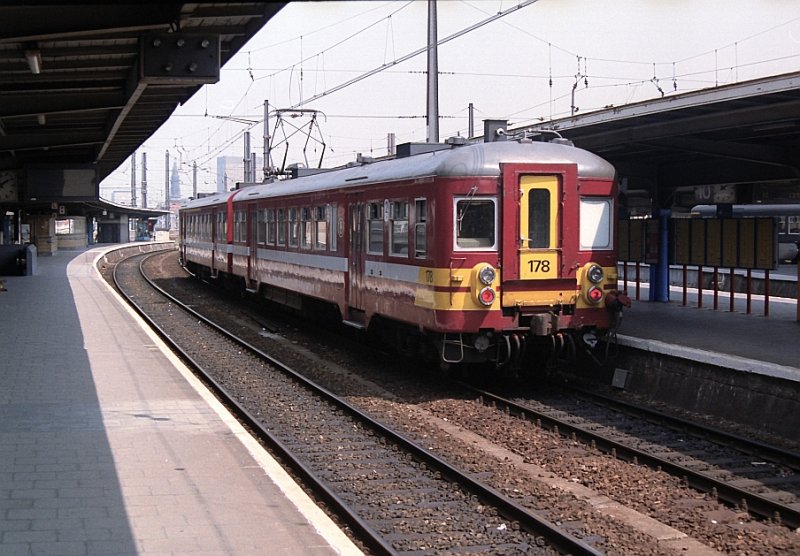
543,61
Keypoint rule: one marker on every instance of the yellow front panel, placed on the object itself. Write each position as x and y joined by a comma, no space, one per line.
610,279
463,280
539,298
537,265
538,262
458,301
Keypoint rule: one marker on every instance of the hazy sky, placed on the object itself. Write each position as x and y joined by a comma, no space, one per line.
522,67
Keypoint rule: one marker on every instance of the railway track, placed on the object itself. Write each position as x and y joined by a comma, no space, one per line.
743,473
397,496
616,506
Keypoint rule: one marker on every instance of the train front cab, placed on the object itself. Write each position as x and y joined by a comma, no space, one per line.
559,272
554,285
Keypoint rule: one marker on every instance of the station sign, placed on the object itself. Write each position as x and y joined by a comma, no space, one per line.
719,193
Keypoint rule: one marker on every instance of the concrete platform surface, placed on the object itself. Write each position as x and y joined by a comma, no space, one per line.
744,342
108,445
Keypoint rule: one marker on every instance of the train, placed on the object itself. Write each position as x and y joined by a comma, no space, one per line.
500,253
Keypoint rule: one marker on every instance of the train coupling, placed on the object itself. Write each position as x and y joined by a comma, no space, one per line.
616,300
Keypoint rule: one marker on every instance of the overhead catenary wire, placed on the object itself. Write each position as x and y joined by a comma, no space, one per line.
416,53
636,85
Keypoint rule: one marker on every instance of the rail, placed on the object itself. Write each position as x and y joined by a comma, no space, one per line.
754,502
528,521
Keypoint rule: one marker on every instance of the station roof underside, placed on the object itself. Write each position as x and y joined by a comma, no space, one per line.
744,132
88,104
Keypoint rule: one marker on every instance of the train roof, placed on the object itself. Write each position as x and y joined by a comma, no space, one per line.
480,159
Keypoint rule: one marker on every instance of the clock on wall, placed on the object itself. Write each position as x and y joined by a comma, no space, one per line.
8,185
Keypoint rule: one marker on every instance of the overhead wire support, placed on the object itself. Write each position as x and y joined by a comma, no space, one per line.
417,52
281,121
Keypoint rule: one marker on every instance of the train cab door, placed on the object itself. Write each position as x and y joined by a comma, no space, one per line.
355,270
534,226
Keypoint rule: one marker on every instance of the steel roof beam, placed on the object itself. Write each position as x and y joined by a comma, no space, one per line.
17,81
739,151
682,126
40,140
758,88
75,102
25,23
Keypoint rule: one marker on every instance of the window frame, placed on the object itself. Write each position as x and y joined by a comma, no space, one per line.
399,212
321,226
586,224
375,213
420,223
269,225
293,239
474,199
281,224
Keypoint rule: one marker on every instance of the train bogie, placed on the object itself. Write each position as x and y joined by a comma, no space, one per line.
486,252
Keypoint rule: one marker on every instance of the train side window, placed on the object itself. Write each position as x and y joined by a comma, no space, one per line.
239,226
306,228
476,223
375,217
320,228
294,228
222,227
331,215
398,232
539,218
271,231
421,228
281,225
262,227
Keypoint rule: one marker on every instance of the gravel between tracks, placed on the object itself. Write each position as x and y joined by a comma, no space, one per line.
566,482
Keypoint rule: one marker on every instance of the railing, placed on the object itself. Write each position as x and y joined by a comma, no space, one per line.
697,280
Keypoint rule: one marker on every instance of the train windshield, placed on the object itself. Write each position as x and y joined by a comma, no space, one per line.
476,223
596,222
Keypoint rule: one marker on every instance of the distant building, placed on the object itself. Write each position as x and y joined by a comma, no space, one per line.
175,183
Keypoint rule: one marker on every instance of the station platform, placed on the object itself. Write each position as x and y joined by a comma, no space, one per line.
766,345
109,445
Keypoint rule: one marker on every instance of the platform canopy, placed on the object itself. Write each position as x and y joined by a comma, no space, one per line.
742,134
85,84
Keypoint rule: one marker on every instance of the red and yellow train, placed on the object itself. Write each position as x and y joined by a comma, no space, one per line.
499,252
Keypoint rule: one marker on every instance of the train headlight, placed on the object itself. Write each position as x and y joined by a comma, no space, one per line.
487,296
595,273
482,342
594,295
487,274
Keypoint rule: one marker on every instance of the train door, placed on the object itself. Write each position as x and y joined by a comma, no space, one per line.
535,227
355,258
214,225
539,217
252,246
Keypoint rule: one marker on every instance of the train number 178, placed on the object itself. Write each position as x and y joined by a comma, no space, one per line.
537,266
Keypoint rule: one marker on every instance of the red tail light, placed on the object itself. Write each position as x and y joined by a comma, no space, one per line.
594,295
487,296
